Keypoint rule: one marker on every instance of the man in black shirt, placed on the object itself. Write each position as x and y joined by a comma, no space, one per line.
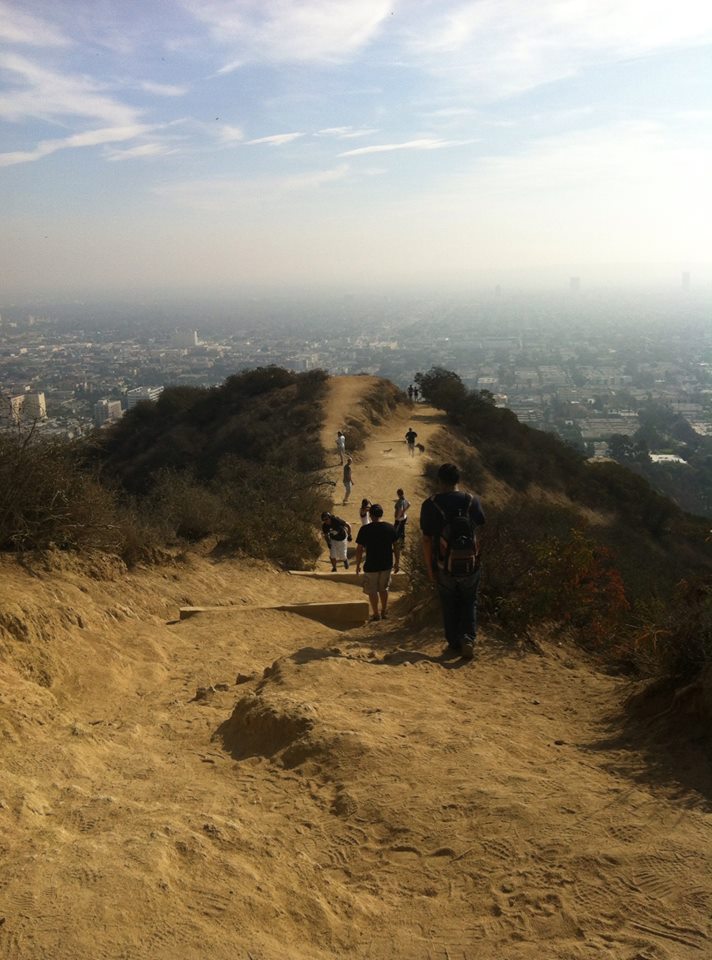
457,593
410,438
376,538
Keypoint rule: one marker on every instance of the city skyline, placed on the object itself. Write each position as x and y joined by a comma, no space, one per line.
203,147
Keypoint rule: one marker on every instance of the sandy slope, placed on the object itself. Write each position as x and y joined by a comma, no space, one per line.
352,796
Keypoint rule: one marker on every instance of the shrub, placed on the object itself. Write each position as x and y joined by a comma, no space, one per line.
46,498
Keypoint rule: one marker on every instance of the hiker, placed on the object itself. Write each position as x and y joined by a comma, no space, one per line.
415,394
410,392
341,446
448,520
337,533
377,540
410,438
399,522
365,511
348,481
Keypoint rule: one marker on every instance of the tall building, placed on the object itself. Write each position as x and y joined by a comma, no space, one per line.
138,394
34,406
106,411
11,408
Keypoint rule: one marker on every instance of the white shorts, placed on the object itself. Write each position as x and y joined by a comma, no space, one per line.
337,549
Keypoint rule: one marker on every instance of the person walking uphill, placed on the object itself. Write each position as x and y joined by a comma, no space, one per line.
348,480
448,521
337,533
376,538
341,446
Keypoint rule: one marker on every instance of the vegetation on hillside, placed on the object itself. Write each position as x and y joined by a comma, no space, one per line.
589,548
239,462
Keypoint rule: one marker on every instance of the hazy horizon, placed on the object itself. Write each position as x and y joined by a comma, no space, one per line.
219,147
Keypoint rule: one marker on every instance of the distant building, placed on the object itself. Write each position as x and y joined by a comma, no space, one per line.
106,411
34,406
138,394
23,406
11,409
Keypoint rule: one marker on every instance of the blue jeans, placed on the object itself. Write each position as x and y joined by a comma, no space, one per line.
458,603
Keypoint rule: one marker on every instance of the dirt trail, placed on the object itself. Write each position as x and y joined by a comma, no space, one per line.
352,796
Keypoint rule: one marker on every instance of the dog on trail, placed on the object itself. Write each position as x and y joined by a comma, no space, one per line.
420,447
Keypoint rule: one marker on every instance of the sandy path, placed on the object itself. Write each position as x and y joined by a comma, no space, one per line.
353,796
384,465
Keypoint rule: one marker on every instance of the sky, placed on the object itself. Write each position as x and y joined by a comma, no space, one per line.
215,145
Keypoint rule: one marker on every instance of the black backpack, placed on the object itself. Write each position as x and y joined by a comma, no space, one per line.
457,552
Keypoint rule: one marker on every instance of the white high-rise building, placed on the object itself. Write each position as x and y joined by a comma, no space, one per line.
138,394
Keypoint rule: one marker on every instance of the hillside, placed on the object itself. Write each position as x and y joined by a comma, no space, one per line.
252,783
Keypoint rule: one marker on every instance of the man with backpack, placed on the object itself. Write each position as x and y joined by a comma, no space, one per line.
448,520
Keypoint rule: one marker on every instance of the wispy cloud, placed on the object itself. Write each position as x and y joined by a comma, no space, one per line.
423,144
90,138
230,134
286,32
144,150
16,26
496,48
346,133
277,139
48,94
164,89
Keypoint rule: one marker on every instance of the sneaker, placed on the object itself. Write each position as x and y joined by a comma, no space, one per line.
384,615
467,648
374,617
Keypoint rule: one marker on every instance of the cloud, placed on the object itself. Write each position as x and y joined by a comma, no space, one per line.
143,150
164,89
90,138
346,133
496,48
283,31
229,134
16,26
49,95
424,144
277,139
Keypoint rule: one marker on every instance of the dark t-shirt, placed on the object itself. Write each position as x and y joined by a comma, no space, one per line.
334,529
411,437
432,521
377,540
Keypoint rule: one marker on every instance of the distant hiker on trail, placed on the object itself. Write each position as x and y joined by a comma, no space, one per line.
410,392
337,533
365,511
448,520
377,540
348,481
410,438
399,522
415,394
341,446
